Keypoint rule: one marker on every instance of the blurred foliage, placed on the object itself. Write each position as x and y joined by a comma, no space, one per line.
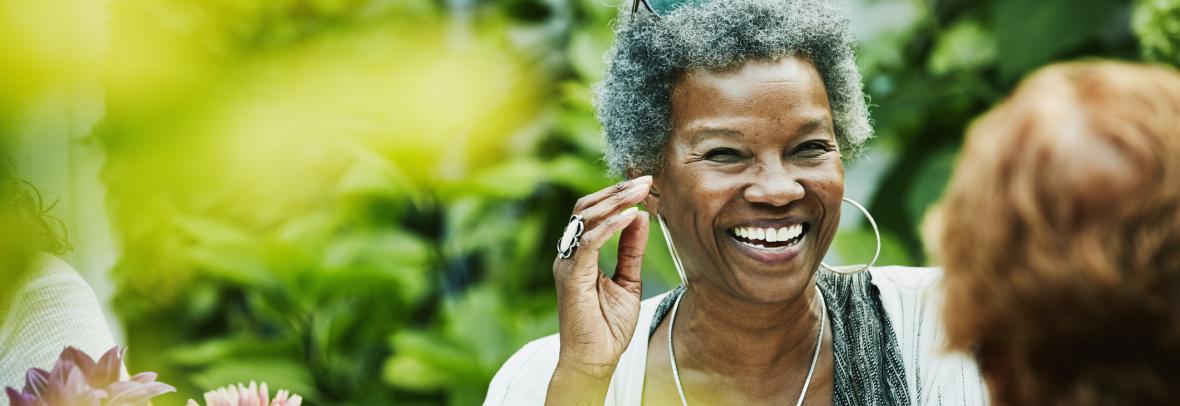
956,58
357,199
1157,23
354,200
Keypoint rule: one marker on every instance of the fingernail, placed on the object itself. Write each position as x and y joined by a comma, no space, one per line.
630,211
644,179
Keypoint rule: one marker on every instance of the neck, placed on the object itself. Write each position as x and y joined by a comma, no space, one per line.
722,334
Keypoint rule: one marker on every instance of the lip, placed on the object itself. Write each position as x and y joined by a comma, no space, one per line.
769,257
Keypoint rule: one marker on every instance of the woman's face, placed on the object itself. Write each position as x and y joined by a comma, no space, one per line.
752,150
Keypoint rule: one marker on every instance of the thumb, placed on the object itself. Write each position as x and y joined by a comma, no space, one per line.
632,244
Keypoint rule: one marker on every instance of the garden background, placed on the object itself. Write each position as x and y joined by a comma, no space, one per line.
358,200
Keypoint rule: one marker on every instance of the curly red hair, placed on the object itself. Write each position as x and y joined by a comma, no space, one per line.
1061,238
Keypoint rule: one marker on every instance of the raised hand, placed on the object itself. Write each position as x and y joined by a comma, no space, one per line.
598,314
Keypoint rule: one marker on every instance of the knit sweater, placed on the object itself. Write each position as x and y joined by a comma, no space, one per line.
52,307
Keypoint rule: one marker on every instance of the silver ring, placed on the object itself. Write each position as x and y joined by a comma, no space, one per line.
571,237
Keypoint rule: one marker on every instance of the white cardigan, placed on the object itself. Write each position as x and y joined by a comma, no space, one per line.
911,298
51,308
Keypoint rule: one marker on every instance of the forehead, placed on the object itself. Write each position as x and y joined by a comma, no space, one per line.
784,92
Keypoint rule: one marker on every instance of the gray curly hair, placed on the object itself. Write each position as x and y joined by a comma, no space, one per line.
650,54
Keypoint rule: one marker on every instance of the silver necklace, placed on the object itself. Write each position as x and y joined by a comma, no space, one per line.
811,370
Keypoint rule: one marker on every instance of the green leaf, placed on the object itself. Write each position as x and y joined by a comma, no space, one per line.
1032,33
240,264
1157,24
857,246
423,362
361,261
582,129
277,372
586,50
578,174
511,180
416,374
216,350
929,182
966,46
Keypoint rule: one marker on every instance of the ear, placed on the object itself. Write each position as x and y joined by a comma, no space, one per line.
652,202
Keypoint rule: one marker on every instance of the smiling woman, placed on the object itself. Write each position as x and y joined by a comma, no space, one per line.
731,120
752,148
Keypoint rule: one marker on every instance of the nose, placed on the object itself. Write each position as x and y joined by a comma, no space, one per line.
773,185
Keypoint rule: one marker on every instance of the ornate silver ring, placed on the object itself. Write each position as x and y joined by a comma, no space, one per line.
570,237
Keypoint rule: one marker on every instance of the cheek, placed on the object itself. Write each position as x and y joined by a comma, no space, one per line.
702,192
825,181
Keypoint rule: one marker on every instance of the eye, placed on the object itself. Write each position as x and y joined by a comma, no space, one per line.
723,155
816,148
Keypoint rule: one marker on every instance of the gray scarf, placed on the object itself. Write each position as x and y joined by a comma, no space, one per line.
868,368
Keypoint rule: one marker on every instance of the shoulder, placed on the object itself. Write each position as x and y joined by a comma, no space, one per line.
912,300
912,279
524,378
53,308
907,293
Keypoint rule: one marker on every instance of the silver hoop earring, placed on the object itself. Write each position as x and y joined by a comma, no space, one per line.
855,269
672,250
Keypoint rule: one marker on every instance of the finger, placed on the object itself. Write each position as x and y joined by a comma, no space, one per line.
586,258
632,245
614,204
618,188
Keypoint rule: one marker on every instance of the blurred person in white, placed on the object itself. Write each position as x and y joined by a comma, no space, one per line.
45,305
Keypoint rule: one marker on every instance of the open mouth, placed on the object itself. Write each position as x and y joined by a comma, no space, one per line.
769,238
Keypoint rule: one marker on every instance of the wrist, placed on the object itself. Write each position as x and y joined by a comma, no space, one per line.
577,384
585,371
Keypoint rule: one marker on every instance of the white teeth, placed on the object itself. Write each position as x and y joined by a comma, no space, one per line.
769,234
789,232
763,247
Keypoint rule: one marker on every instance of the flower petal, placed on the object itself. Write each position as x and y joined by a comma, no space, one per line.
20,399
56,392
36,380
79,359
76,383
107,369
144,377
128,392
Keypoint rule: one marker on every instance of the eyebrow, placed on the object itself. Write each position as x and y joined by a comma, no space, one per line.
813,125
707,133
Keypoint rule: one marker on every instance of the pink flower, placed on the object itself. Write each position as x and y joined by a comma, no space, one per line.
253,395
77,380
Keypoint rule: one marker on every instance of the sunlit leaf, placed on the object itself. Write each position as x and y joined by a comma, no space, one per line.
965,46
1157,24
